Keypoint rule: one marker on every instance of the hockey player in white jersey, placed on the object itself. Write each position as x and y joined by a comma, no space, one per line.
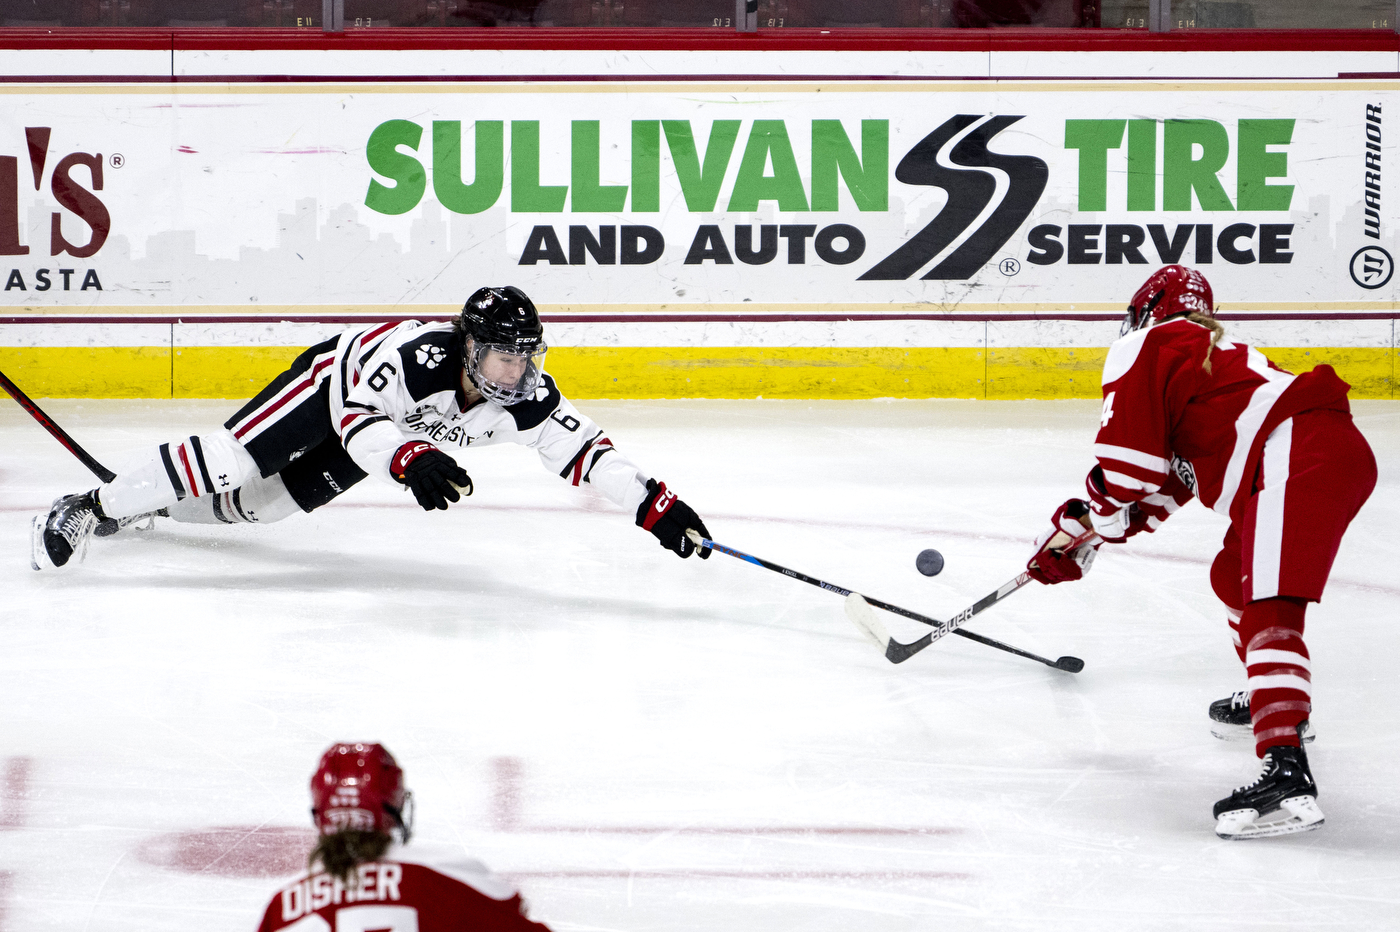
381,401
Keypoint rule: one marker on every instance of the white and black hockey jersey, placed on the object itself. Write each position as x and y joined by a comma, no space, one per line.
393,383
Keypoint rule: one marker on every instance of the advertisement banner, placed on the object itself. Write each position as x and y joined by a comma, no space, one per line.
985,198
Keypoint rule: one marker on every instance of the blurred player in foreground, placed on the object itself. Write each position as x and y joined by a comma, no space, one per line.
381,401
1187,412
359,876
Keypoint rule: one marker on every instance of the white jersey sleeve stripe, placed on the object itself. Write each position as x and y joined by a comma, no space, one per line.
1134,457
1129,483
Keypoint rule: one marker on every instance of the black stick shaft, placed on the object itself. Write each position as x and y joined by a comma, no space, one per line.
922,642
46,422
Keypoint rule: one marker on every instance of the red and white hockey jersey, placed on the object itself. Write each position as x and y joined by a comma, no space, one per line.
410,890
1169,428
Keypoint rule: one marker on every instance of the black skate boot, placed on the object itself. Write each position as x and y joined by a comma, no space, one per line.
1282,801
106,527
65,532
1230,720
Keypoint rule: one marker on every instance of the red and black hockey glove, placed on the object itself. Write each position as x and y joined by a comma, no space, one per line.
669,518
434,477
1052,565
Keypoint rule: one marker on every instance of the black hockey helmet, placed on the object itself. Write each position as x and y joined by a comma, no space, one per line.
496,325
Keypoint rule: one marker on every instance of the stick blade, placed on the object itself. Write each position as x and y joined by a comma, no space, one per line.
863,617
1069,664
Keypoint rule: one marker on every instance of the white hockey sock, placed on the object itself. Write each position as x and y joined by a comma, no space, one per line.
258,501
193,467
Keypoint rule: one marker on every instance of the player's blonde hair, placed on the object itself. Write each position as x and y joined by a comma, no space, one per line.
1217,331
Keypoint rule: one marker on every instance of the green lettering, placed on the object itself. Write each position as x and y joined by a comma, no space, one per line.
589,195
527,195
646,166
382,153
700,184
768,139
1093,139
1142,164
832,153
1256,164
485,190
1182,174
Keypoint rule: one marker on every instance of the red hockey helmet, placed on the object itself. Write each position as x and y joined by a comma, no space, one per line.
360,786
1170,291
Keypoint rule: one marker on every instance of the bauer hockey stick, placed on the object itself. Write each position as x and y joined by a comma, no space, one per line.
891,647
858,610
46,422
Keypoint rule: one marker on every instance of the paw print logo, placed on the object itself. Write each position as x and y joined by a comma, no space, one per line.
430,356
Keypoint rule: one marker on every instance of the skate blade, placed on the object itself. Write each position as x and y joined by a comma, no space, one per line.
38,553
1227,732
1296,814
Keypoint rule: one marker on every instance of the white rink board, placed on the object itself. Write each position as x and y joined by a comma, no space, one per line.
694,745
970,197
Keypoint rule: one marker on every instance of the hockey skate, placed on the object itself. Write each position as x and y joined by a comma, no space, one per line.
64,533
106,527
1283,800
1230,719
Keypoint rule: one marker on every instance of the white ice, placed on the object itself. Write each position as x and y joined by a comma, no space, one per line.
645,743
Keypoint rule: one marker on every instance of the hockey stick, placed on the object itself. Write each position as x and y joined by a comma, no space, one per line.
46,422
858,610
890,646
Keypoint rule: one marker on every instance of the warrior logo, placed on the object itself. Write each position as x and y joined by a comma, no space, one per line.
989,197
1185,472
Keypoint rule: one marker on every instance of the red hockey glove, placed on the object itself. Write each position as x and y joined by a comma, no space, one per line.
669,518
432,475
1051,565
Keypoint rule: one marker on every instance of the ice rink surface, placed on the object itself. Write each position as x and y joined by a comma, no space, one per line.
645,743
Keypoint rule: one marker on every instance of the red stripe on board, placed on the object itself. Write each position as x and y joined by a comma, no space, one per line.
701,38
285,397
644,318
14,790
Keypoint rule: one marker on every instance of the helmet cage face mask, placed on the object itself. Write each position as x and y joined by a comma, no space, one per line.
1139,317
490,356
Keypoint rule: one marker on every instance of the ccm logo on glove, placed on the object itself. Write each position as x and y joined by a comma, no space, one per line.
668,518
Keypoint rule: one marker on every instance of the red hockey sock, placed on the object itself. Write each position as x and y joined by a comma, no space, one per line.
1280,673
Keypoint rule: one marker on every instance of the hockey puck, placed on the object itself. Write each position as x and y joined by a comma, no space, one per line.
929,562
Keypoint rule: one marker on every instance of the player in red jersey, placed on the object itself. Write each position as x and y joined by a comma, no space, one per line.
1189,413
360,878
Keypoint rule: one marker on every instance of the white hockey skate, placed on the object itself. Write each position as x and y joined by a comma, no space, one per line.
61,537
1230,719
1281,802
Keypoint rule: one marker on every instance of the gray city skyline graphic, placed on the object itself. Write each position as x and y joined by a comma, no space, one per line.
334,258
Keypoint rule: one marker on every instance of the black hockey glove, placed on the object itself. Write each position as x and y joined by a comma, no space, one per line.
669,518
432,475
